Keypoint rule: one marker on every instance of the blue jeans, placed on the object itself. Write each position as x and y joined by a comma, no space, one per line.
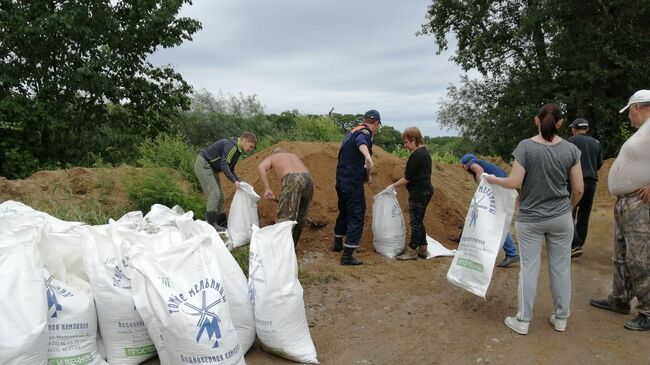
509,246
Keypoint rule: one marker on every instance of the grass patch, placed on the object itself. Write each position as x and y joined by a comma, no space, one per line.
90,211
316,278
241,256
157,187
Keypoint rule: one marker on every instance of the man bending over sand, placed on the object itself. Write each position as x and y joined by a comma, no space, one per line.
297,188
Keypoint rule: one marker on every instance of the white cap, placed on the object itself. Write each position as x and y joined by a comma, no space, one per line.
641,96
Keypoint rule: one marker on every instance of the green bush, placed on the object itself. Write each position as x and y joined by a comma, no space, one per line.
401,152
18,164
241,256
170,151
157,187
315,128
446,157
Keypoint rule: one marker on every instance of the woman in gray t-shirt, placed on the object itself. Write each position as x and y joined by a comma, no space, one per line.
543,165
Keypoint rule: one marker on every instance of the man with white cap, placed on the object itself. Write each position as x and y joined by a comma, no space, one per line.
591,160
629,180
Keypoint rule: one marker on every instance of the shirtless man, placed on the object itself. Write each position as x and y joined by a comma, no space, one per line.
297,188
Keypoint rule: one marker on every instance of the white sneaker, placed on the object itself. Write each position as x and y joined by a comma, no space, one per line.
521,327
558,324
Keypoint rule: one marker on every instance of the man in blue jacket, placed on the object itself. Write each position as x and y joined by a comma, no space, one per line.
476,167
221,156
352,171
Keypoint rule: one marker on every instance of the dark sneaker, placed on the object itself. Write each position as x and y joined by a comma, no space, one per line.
350,260
509,260
408,254
576,252
338,244
640,323
605,304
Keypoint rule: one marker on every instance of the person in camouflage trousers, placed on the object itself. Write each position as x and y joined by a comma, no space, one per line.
629,180
297,188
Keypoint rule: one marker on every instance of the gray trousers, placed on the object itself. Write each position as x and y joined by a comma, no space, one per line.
558,234
211,185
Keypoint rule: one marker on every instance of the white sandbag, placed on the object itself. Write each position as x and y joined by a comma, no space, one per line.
14,214
234,281
70,248
486,227
184,289
71,323
125,337
243,215
277,295
161,215
23,306
132,220
436,249
72,320
134,242
388,229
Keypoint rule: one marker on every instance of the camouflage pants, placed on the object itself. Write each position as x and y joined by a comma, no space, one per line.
297,191
632,252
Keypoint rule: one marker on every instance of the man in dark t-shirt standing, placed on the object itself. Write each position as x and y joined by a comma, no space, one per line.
591,160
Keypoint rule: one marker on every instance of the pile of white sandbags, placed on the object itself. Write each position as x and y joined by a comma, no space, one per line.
161,283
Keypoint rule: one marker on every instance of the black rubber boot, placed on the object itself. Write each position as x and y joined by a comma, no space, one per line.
347,258
212,219
338,244
222,220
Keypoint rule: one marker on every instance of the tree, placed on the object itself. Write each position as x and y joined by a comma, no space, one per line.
587,56
64,64
345,122
388,138
213,117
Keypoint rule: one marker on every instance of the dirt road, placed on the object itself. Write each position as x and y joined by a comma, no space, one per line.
389,312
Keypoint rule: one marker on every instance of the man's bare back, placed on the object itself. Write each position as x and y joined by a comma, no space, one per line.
283,163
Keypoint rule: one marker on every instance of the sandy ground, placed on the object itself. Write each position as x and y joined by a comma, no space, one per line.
407,313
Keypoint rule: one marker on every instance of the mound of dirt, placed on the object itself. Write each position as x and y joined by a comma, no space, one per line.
62,192
444,218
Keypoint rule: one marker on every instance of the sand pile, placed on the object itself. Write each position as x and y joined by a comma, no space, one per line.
445,214
52,191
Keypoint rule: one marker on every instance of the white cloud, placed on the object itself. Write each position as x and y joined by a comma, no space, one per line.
314,55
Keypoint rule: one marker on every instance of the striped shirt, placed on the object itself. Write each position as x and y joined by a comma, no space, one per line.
222,156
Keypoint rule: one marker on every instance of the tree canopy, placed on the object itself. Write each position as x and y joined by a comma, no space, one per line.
75,73
587,56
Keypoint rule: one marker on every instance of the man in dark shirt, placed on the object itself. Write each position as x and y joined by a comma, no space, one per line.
476,167
352,171
591,160
221,156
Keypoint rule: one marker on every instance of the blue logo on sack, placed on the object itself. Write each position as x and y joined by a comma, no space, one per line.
208,322
483,192
53,291
256,263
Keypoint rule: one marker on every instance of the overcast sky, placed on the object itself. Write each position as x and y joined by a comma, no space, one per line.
312,55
